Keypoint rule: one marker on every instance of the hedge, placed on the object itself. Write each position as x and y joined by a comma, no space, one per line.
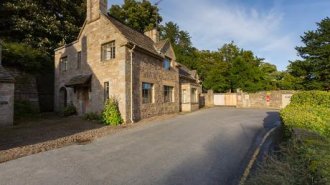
310,111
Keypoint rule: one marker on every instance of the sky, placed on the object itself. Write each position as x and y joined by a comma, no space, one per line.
269,28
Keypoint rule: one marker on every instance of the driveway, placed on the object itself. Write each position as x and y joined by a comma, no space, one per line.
210,146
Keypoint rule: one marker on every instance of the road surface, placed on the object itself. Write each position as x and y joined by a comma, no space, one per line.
211,146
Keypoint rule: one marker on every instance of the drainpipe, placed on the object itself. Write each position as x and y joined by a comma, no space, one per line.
132,51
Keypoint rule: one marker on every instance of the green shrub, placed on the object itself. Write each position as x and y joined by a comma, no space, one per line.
23,109
309,110
111,114
92,116
314,118
69,110
317,98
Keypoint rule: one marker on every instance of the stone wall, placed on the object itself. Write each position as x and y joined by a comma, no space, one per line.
6,104
26,88
264,99
150,70
209,98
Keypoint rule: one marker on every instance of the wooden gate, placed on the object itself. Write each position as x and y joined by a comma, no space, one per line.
228,99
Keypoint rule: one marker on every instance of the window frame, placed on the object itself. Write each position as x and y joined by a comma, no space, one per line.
106,87
168,94
167,61
147,91
193,95
108,47
64,64
78,59
184,96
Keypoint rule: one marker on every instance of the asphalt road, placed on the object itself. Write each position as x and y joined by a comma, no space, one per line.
208,147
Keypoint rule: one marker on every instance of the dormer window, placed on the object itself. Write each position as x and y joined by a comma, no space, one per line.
167,64
108,51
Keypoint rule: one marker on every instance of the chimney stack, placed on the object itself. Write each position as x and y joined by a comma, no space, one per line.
153,34
95,8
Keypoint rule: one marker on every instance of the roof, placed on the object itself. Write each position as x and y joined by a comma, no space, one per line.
186,73
134,36
160,45
80,80
5,76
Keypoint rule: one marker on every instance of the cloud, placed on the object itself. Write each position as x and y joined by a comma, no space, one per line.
212,24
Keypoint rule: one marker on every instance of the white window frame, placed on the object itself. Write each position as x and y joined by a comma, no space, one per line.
168,94
150,93
108,51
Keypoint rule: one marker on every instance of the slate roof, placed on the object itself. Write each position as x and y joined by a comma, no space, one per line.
79,80
134,36
184,72
5,76
160,45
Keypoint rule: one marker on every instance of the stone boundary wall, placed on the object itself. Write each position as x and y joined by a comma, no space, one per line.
262,99
6,104
25,88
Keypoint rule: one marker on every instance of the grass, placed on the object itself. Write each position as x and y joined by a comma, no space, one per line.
302,160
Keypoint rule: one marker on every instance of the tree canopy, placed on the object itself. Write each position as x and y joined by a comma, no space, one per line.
314,68
32,29
140,15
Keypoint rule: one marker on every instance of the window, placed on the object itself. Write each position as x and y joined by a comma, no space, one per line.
64,63
184,96
79,60
167,64
194,95
108,51
147,90
106,91
168,94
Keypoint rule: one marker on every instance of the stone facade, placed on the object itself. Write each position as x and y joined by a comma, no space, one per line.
135,53
7,88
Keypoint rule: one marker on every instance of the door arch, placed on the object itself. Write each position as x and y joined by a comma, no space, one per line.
63,98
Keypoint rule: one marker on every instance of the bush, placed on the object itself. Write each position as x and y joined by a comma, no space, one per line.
309,110
69,110
92,117
316,98
314,118
23,109
111,114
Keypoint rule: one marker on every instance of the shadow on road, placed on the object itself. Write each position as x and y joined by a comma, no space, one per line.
220,155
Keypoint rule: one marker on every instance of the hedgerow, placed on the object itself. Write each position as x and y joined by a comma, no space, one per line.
310,111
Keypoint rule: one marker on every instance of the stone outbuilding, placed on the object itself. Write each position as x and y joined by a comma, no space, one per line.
7,88
110,59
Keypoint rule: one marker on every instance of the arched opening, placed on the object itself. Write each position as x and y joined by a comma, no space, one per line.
63,98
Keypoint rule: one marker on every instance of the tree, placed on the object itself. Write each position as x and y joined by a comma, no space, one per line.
43,25
25,57
314,69
181,42
139,15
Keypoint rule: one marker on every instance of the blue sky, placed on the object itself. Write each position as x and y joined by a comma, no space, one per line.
270,28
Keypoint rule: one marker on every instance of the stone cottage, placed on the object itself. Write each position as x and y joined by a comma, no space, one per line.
111,59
